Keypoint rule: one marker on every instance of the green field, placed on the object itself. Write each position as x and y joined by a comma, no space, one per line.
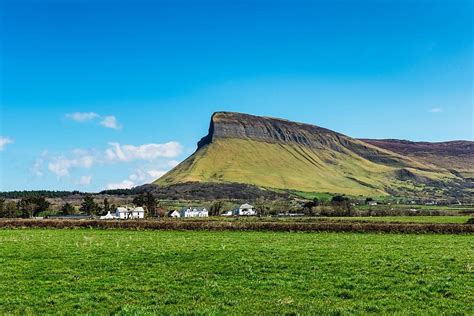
455,219
407,219
124,271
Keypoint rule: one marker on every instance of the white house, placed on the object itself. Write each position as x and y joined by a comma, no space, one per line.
136,213
246,210
372,203
175,214
125,213
228,213
121,213
108,216
194,212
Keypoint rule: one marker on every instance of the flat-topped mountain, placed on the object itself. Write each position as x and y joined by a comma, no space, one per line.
283,155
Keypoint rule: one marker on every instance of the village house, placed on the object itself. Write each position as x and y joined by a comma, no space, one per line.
194,212
174,214
244,210
125,213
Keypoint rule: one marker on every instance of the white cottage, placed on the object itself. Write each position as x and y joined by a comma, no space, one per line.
125,213
246,210
137,213
107,216
175,214
121,213
243,210
194,212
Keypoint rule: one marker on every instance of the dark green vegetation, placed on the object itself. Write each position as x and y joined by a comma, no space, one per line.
281,155
115,271
43,193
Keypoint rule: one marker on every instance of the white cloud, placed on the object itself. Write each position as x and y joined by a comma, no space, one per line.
4,141
85,180
155,174
125,184
173,163
82,116
436,110
119,152
37,169
139,177
110,122
61,165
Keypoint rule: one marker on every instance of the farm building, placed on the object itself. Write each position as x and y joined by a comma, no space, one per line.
194,212
174,214
247,210
125,213
108,216
244,210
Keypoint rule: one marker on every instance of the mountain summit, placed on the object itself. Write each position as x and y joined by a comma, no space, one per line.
279,154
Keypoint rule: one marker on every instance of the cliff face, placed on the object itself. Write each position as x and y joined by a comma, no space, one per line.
226,125
245,126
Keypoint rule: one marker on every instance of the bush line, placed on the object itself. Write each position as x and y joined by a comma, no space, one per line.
363,227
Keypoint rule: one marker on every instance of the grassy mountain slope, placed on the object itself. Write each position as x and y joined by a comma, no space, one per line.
279,154
453,155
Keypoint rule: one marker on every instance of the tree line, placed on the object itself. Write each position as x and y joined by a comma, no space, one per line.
38,193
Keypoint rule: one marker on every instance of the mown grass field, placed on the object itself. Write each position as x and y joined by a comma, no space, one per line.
407,219
455,219
125,271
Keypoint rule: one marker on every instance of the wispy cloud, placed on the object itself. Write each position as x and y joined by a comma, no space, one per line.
435,110
62,164
85,180
108,121
82,116
4,141
119,152
125,184
139,177
37,168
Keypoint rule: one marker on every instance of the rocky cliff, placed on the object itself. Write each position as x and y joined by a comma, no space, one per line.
239,125
274,130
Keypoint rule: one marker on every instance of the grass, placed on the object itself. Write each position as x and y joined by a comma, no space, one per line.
126,272
458,208
407,219
455,219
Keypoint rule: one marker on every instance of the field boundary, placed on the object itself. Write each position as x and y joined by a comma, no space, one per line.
323,226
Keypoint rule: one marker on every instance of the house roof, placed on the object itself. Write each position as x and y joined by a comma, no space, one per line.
246,205
199,209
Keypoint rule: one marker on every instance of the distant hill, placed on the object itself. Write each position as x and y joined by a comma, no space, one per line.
283,155
457,156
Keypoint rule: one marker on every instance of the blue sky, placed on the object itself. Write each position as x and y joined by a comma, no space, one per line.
104,94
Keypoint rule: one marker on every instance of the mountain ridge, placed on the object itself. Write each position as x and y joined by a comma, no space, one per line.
285,155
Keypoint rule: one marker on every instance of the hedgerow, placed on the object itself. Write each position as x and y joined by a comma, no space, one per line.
361,227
